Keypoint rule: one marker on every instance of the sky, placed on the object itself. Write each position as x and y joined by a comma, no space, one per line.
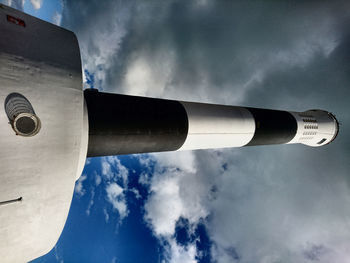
268,204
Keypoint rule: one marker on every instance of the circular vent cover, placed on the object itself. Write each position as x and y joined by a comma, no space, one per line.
26,124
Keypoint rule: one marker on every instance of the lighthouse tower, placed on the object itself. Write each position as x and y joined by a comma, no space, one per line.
49,125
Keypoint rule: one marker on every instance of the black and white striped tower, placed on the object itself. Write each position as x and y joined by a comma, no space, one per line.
121,124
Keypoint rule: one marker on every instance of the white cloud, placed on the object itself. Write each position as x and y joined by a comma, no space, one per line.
7,2
97,179
106,214
57,18
36,4
136,193
91,202
175,193
57,255
185,161
144,178
79,189
181,254
17,4
260,210
87,161
116,197
109,165
122,171
113,190
115,176
106,169
145,75
164,206
278,213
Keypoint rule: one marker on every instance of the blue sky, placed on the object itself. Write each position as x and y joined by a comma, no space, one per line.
94,226
46,11
286,203
100,236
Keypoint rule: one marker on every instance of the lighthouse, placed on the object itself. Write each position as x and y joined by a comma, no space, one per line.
49,125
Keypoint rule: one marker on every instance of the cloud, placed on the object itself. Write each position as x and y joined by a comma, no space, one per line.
113,191
164,206
17,4
251,208
115,177
136,193
122,171
144,178
189,45
87,161
98,179
58,257
99,39
79,189
36,4
57,18
259,204
106,214
91,202
116,197
111,180
106,169
112,169
180,254
169,201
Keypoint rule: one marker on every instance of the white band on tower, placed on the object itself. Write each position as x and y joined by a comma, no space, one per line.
217,126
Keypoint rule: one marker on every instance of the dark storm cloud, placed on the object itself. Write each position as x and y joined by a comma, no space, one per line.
194,46
271,204
100,27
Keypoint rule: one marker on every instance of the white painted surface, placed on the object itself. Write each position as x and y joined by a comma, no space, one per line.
217,126
84,142
41,169
314,126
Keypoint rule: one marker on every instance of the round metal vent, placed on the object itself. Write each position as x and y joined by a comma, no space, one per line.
21,115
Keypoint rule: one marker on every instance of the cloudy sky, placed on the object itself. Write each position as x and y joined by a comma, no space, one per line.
268,204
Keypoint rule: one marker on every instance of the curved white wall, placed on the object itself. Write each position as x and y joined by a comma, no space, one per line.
42,62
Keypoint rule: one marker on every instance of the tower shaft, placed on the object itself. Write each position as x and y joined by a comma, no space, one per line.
122,124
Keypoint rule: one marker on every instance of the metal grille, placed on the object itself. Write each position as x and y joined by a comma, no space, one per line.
21,115
15,104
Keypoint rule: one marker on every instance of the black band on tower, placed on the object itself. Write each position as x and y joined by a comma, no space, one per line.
121,124
272,127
